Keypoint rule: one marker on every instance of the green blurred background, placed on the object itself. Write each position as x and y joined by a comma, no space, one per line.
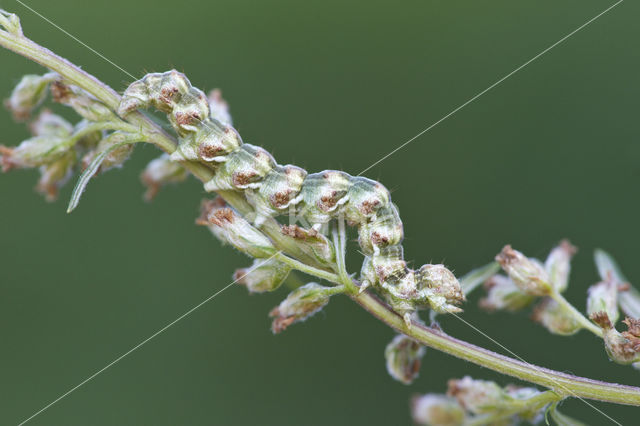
550,153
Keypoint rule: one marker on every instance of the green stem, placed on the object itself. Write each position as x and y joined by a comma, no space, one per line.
339,241
576,314
563,384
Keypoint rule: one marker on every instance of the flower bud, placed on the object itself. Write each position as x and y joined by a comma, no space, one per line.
162,90
228,226
50,124
263,275
555,318
299,305
244,168
54,175
34,152
437,410
404,356
309,243
366,197
10,22
85,104
477,396
385,230
558,265
29,94
526,273
160,172
603,297
444,289
503,294
622,348
323,193
277,192
219,107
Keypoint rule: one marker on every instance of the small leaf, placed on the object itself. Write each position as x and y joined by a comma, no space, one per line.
90,171
562,419
629,300
474,278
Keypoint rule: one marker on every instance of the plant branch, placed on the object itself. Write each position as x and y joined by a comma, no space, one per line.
576,314
563,384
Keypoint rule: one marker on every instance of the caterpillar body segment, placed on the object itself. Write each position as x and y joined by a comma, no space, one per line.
274,189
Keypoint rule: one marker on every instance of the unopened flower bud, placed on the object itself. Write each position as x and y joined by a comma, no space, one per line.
159,172
263,275
555,318
10,22
558,265
437,410
603,297
85,104
29,94
526,273
34,152
191,112
477,396
503,294
404,356
444,289
622,348
244,168
54,175
228,226
50,124
299,305
309,243
219,107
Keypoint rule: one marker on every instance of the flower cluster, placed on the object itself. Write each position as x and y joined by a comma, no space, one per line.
480,402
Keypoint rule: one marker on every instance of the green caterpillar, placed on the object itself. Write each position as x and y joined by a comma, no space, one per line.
274,189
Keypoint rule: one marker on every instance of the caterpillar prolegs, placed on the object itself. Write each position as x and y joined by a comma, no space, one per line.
206,135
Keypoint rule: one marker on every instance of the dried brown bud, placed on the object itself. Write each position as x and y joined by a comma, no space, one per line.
160,172
503,294
555,318
622,348
437,410
526,273
404,356
441,282
477,396
263,275
299,305
558,265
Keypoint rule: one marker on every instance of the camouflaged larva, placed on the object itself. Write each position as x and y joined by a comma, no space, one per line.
274,190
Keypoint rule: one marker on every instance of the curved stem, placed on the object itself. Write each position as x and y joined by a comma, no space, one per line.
563,384
576,314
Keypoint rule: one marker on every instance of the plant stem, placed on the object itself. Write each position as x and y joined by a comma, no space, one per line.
576,314
562,383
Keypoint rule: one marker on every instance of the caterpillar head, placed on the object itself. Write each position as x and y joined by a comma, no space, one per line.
440,287
162,90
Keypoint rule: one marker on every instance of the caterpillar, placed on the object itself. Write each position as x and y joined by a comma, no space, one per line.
274,189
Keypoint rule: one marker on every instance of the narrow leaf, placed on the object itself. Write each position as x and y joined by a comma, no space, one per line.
562,419
629,300
89,172
477,276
